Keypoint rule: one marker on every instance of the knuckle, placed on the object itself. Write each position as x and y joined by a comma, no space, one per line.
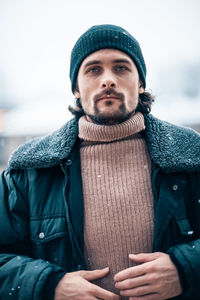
137,292
93,289
152,267
80,273
156,277
151,278
148,268
128,284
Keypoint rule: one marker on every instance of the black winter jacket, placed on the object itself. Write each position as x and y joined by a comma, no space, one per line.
41,209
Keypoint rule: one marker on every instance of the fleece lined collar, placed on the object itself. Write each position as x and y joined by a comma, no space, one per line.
173,148
47,151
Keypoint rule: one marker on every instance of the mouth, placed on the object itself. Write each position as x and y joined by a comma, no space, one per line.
108,98
109,95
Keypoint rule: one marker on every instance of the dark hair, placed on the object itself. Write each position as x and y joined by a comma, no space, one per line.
145,102
144,105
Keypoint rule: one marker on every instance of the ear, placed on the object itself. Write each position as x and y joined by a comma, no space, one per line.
76,91
141,89
77,94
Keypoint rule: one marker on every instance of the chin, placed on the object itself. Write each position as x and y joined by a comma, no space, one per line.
109,119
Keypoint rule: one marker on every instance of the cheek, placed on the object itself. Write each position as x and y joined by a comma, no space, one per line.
83,93
132,91
132,98
87,101
88,90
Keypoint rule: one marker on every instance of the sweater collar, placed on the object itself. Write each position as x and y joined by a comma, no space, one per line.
89,131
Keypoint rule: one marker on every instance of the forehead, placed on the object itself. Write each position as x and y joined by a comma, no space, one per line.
106,55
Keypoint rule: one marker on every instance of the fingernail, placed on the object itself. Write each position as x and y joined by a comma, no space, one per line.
132,255
115,278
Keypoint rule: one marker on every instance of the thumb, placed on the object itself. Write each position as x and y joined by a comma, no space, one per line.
144,257
95,274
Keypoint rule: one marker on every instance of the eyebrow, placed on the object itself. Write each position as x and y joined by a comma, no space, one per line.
122,60
92,62
98,62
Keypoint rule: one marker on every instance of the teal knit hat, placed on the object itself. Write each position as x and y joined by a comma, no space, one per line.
101,37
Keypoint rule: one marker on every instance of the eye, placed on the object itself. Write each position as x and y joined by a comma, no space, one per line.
121,68
93,70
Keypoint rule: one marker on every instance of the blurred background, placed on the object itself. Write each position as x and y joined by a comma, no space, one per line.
36,38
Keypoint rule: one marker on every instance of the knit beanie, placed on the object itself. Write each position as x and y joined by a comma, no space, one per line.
104,37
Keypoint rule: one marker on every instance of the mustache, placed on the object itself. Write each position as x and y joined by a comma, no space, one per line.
108,92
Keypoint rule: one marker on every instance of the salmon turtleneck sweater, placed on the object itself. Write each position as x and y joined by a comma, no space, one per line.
118,201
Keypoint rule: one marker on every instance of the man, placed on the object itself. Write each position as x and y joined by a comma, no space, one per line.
108,206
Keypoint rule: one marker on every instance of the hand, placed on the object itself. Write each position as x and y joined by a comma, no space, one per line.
156,278
76,286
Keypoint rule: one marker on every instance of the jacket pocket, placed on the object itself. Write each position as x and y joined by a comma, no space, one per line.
46,229
50,240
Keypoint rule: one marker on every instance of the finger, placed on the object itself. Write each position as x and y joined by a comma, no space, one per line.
153,296
144,257
132,282
94,274
130,272
104,294
139,291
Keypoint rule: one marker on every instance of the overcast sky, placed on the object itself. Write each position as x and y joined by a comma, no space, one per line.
36,38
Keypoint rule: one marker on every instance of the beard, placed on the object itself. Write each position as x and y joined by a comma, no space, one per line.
110,119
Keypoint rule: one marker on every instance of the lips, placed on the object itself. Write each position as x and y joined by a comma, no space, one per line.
108,97
109,94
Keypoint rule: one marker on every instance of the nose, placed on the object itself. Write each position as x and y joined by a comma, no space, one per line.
108,82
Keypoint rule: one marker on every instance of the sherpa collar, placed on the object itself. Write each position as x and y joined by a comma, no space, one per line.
173,148
47,151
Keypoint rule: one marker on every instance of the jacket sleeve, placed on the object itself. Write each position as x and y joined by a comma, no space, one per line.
186,258
21,276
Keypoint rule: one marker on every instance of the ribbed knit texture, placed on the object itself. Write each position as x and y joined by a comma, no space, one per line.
118,202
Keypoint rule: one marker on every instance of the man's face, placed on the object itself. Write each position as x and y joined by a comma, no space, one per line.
108,86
